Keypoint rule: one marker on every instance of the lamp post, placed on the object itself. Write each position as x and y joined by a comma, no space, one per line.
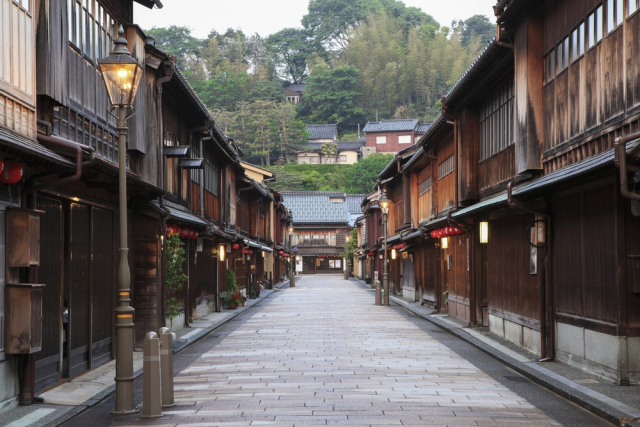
292,273
121,74
384,206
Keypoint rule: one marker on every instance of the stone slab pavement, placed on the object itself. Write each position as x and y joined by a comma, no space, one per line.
321,353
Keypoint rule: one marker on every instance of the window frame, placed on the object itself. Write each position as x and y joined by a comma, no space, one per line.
381,138
407,137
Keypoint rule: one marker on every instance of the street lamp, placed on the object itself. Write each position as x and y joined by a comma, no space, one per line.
292,273
121,74
384,206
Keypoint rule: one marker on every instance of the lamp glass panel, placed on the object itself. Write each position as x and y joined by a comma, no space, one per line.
122,81
221,252
484,232
444,243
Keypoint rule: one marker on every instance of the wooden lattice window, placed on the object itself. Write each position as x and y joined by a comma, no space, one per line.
496,121
446,167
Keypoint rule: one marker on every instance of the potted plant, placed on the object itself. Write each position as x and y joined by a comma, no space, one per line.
232,287
234,300
174,275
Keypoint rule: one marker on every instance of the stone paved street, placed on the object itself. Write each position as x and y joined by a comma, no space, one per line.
322,353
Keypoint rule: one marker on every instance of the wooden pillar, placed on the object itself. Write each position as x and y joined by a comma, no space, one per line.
529,75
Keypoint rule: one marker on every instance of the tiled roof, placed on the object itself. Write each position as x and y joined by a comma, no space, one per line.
315,207
423,127
391,125
353,203
13,144
322,131
298,87
342,146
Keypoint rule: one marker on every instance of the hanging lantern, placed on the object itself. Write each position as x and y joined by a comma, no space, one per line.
176,229
195,235
11,172
184,232
192,233
235,246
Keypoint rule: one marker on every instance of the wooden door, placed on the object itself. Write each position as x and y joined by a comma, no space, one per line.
48,360
103,287
77,295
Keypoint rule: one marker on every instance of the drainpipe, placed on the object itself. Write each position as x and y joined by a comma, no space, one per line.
63,143
169,66
620,160
206,127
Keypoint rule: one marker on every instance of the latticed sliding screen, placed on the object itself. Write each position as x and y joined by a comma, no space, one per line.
496,121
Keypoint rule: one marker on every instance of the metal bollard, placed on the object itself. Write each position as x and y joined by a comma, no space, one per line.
166,366
151,395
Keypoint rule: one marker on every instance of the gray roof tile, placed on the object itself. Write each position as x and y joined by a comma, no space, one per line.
315,207
391,125
322,131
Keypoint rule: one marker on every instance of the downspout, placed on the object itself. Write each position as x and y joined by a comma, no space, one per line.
63,143
169,66
620,160
168,69
206,127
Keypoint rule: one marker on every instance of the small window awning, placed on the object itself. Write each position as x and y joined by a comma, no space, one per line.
176,151
413,235
256,245
575,170
178,215
191,163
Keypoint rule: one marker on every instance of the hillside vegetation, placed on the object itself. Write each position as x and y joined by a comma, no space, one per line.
358,178
361,60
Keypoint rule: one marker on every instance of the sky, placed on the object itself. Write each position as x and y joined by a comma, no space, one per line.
267,17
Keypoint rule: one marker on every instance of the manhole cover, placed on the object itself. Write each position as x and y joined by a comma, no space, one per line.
516,379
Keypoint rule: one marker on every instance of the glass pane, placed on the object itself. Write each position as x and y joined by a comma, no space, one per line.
633,5
591,30
619,11
560,57
70,4
599,24
581,37
566,52
610,15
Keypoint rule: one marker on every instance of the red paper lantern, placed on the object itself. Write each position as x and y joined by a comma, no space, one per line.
235,246
11,172
281,252
184,232
433,234
195,234
176,229
192,233
169,230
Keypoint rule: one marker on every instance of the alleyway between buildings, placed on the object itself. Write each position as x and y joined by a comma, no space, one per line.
322,353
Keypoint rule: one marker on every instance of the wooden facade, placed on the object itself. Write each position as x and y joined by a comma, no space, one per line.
55,122
524,145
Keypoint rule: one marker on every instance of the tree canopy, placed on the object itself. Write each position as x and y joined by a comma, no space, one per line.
361,60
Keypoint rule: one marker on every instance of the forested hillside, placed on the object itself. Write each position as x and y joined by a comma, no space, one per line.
361,60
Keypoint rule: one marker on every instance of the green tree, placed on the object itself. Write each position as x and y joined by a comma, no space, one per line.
291,49
332,96
478,26
177,41
364,174
330,150
174,275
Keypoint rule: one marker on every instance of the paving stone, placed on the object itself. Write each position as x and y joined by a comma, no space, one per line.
321,353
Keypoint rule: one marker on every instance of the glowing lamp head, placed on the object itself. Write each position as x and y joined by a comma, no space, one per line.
384,203
121,73
444,243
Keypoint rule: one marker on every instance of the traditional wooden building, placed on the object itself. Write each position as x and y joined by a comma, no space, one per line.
391,136
321,223
522,163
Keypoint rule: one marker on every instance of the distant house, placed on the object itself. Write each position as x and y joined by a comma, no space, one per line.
349,152
322,133
321,221
294,92
391,136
